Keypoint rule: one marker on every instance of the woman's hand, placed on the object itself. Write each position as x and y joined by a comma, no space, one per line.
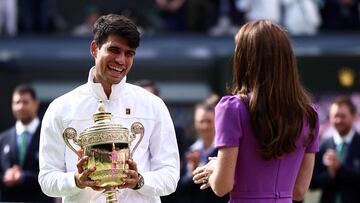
201,174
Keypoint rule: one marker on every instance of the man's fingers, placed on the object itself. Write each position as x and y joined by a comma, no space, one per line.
85,174
132,164
131,178
80,163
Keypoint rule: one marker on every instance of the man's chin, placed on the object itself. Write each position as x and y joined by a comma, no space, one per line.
344,132
115,81
25,120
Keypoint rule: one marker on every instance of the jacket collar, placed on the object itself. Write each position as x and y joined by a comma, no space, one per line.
98,91
30,128
347,139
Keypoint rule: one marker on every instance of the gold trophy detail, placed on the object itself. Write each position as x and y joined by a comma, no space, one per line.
108,147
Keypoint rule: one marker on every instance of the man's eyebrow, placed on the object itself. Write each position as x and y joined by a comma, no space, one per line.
117,47
113,47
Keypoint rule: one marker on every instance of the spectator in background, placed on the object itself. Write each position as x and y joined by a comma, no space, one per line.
301,17
8,17
36,16
149,85
200,15
173,14
19,159
92,13
198,155
227,18
337,165
341,14
260,9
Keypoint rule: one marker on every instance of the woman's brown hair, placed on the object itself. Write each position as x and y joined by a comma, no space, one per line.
265,67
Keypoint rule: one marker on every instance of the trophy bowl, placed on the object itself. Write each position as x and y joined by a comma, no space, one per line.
108,147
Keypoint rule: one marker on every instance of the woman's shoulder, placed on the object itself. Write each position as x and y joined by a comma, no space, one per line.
231,102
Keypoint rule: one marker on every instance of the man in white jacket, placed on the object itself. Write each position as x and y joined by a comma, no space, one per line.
156,159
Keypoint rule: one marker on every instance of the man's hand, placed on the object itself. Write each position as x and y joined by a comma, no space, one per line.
82,179
193,160
132,176
12,176
332,162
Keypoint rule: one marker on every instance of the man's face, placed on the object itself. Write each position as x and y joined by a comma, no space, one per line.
113,60
341,118
204,123
24,107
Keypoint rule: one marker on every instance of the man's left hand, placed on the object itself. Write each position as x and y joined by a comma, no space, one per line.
132,176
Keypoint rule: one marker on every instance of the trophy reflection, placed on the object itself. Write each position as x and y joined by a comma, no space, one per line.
108,147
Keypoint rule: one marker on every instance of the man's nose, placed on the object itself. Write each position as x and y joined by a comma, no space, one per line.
120,59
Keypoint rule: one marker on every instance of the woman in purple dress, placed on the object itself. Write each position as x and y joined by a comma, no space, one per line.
267,132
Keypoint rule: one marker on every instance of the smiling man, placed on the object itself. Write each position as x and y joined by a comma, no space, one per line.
337,165
154,170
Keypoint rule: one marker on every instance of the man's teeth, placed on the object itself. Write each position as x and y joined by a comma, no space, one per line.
120,69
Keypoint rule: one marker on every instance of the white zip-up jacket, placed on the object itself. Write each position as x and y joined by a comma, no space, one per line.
157,156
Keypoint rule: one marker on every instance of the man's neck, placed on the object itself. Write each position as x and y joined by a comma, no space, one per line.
106,87
207,143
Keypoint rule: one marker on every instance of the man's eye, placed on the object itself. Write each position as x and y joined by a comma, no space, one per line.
114,50
129,54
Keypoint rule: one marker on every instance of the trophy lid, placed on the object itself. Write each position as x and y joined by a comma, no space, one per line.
101,116
104,131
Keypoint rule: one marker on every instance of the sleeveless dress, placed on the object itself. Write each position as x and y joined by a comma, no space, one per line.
257,180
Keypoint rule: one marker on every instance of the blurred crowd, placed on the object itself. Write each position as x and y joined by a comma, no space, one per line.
216,17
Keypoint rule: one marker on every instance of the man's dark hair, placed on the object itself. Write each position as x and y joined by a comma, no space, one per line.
346,100
113,24
25,89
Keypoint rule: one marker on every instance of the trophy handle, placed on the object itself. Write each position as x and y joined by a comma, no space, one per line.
136,129
70,133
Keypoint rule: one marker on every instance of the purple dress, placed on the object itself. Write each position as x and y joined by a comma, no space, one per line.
257,180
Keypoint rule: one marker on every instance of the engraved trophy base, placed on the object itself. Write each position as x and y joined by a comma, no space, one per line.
110,195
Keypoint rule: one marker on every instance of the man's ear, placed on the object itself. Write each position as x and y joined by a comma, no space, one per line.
93,49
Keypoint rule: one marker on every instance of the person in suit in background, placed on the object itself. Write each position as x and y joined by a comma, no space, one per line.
337,165
198,155
19,160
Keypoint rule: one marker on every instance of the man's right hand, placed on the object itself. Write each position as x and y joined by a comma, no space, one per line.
12,176
332,162
82,179
193,160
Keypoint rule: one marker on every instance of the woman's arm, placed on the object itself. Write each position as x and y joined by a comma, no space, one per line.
304,176
222,178
219,173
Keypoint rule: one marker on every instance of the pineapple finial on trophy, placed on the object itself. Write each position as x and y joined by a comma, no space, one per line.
101,117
